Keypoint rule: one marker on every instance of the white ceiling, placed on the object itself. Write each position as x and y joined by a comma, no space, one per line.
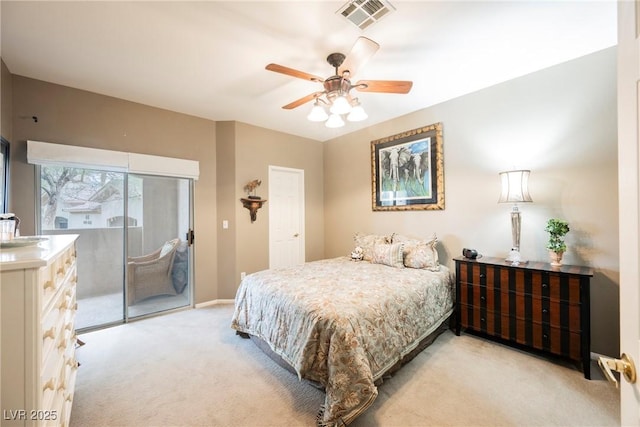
207,58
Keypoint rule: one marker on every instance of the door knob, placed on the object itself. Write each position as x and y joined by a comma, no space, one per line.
296,235
624,365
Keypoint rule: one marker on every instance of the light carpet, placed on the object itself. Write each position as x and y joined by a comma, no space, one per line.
190,369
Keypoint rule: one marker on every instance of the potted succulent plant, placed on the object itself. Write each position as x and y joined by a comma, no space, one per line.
557,229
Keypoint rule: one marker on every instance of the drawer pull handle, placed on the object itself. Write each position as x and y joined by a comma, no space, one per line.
482,275
545,286
48,385
482,298
68,398
61,271
545,311
68,326
50,333
48,284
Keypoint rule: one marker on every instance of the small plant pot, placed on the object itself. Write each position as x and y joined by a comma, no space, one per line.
556,258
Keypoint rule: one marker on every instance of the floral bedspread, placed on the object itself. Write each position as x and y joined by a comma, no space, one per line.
343,323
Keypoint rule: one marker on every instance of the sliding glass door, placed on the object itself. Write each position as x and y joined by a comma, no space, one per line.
133,253
158,230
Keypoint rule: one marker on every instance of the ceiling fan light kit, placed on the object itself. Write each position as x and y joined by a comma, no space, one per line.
340,105
357,113
334,121
336,95
317,113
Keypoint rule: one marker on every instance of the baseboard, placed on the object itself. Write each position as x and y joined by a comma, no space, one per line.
214,302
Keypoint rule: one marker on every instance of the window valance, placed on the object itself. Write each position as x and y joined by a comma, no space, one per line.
46,153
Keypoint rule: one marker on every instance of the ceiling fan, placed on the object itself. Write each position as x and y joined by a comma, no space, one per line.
336,93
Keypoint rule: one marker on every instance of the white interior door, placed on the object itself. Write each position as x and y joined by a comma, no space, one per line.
629,197
286,217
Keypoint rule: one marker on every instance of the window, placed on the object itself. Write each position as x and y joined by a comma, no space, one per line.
74,198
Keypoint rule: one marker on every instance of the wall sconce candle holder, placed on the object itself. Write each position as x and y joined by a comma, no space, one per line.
252,202
253,205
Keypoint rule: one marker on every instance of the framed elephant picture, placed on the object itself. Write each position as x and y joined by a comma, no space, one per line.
407,170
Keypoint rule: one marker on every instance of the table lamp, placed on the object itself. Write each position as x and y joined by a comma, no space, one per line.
515,189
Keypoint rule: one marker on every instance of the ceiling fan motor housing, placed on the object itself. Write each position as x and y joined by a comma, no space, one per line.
335,86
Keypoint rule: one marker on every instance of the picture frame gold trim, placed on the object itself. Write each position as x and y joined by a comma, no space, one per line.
407,170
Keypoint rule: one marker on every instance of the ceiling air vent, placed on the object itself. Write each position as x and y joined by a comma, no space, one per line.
363,13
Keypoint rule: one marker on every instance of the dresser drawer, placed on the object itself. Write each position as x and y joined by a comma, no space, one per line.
541,336
551,285
554,312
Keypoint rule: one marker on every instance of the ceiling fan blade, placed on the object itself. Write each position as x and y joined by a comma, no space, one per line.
384,86
362,50
294,73
302,100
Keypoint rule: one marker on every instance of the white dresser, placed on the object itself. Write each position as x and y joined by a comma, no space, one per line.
37,334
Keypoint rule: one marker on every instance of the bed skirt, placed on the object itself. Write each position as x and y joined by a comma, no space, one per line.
426,342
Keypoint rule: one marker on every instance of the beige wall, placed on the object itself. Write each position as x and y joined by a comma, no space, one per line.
246,152
226,208
6,99
560,123
76,117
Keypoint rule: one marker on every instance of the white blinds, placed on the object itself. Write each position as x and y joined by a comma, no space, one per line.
45,153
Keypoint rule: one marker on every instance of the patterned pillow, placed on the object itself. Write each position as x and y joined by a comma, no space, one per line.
419,253
366,242
388,254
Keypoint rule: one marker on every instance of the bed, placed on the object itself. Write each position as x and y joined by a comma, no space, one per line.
344,324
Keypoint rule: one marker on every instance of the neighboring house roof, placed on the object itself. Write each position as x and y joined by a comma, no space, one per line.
109,191
87,207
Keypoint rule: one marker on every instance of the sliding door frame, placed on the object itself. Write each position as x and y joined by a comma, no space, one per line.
126,318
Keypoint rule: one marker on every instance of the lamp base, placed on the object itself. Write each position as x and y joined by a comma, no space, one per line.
515,258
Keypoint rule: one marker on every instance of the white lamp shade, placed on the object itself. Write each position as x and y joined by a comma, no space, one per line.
317,113
335,121
515,186
340,106
357,114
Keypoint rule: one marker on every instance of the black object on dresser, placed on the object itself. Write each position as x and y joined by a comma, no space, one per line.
533,305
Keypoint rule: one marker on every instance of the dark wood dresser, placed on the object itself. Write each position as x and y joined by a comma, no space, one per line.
534,306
